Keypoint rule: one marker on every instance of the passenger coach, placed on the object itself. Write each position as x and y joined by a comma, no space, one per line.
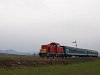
78,52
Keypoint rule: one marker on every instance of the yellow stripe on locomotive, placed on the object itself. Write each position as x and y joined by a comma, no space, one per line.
42,50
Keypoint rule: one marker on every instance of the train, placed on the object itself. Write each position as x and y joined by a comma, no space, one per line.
56,50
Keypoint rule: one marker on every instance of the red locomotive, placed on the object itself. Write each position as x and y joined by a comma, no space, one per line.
51,50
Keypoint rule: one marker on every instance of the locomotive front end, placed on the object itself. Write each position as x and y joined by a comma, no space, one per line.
43,51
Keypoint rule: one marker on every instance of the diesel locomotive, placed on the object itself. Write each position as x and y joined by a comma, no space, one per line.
56,50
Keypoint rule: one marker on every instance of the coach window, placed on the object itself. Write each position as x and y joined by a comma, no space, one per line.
67,50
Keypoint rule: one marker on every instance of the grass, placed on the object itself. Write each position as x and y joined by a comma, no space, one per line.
17,56
89,68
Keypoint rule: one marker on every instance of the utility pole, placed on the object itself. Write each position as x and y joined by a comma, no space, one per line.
75,43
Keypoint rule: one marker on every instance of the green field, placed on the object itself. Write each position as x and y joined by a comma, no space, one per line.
87,68
17,56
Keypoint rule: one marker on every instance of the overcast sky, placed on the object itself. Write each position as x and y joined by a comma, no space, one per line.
27,24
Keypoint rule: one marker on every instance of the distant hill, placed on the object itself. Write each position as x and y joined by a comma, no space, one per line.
10,51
